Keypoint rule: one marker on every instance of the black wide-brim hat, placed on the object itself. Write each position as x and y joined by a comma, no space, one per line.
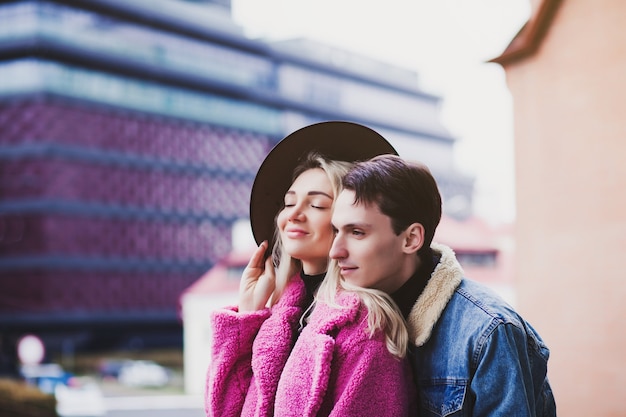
337,140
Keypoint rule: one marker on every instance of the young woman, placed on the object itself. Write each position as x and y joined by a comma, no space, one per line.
343,363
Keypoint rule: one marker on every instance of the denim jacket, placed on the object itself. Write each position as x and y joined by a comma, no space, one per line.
473,355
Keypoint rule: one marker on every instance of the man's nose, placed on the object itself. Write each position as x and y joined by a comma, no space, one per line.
337,249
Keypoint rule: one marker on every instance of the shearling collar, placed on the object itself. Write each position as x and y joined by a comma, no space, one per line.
445,279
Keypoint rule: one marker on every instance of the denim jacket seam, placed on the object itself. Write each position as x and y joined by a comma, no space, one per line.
537,346
483,340
478,304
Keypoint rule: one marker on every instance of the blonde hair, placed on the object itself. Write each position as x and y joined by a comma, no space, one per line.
382,312
286,266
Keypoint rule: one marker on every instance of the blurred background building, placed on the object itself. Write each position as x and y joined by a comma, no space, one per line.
565,71
130,134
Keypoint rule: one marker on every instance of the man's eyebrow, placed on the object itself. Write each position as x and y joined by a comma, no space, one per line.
353,226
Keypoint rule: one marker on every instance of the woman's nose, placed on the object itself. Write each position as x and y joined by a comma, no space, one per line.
296,213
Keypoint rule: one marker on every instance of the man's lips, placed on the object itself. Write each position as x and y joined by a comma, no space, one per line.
346,269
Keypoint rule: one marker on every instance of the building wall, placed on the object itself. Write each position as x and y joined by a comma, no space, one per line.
570,144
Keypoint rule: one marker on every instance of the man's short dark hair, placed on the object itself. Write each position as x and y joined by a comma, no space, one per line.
405,191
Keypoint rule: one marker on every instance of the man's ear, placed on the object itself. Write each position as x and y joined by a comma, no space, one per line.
413,238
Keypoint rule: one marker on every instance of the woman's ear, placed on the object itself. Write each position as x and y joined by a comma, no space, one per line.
413,238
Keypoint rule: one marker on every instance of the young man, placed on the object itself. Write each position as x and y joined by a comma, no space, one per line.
472,354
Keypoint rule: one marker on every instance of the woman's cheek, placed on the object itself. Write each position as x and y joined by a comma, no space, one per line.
281,220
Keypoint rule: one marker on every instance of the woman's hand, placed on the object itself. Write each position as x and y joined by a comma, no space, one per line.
257,282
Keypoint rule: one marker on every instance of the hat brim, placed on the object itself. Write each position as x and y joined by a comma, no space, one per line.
337,140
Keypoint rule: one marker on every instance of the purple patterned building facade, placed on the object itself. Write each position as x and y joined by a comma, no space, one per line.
129,140
98,226
116,205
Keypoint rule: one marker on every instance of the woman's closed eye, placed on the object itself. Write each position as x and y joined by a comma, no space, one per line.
319,206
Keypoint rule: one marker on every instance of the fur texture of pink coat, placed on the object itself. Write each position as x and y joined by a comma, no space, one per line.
334,368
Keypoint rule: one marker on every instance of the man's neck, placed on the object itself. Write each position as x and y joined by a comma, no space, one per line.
410,268
406,296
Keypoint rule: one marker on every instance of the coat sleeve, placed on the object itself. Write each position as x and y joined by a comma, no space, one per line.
229,372
506,365
270,352
371,382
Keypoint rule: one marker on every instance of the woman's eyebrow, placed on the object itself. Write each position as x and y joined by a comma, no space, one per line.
311,193
319,193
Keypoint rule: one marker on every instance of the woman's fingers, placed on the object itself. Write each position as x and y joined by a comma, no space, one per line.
258,281
265,285
256,260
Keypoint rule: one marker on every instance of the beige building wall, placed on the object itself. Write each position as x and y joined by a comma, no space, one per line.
570,148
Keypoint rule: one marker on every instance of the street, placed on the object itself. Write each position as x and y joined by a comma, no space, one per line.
153,406
157,413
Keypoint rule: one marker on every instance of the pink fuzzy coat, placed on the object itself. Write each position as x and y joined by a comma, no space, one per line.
334,369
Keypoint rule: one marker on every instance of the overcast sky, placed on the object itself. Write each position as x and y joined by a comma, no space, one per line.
447,42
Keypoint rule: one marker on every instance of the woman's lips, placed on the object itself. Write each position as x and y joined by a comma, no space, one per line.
295,233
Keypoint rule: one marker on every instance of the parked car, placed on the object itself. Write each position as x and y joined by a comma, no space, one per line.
143,373
74,396
45,376
79,399
110,368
